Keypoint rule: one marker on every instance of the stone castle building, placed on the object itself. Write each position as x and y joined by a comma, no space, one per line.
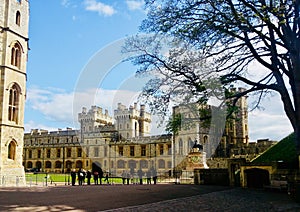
126,143
14,18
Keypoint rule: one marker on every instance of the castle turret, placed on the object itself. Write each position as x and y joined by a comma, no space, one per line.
132,122
90,120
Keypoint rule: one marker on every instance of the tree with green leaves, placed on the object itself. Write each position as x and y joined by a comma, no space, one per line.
229,35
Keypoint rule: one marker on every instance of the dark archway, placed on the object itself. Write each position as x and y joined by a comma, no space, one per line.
96,166
257,178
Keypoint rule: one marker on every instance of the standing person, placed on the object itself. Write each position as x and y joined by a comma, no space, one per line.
140,174
88,177
149,176
124,175
80,176
154,176
83,175
127,177
96,176
73,176
100,175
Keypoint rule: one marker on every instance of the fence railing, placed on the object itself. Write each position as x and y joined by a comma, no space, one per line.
48,179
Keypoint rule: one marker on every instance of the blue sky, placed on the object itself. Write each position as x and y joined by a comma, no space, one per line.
67,36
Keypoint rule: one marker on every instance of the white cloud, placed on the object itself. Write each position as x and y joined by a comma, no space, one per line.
270,122
65,3
101,8
135,5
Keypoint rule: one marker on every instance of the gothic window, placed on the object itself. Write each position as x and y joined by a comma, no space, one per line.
12,150
30,154
18,18
13,104
79,152
16,55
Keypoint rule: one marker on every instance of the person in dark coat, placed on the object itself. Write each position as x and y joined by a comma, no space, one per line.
96,176
73,177
154,175
100,174
80,176
88,177
140,174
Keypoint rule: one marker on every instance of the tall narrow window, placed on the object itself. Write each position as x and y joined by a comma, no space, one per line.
13,104
12,150
16,55
18,18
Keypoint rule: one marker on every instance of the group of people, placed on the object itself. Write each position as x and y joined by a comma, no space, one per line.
82,174
138,177
150,174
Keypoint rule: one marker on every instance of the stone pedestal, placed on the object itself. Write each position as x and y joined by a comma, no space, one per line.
196,160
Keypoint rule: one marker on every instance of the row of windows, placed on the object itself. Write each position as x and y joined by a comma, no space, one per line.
58,153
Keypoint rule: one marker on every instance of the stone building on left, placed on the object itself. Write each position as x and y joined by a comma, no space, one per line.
14,20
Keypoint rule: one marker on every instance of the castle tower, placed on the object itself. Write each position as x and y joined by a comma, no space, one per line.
132,122
14,19
90,120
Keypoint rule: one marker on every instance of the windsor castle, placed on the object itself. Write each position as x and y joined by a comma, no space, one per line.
124,142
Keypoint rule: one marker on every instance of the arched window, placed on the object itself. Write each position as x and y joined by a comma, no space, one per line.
144,164
161,164
13,105
12,150
48,165
16,55
58,164
79,164
38,164
18,18
29,164
121,164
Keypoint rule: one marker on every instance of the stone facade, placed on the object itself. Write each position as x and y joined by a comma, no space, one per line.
124,145
14,19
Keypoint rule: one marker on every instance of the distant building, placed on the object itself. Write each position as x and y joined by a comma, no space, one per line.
126,144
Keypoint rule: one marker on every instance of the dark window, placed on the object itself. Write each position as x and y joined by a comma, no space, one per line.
58,152
16,55
96,151
18,18
132,151
120,151
30,154
79,152
69,152
161,149
143,150
39,154
48,153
